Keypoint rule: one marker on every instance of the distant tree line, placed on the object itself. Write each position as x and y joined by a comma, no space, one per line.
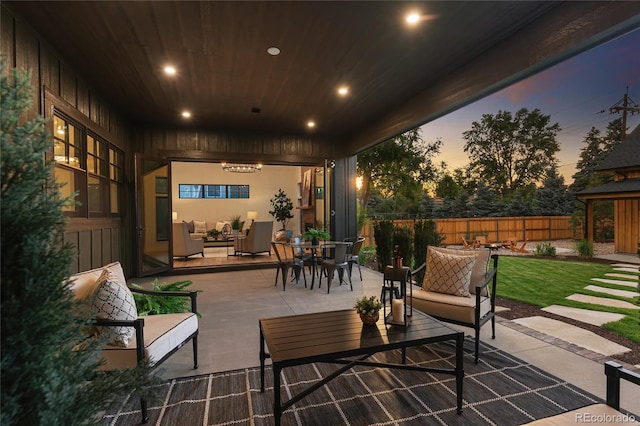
512,171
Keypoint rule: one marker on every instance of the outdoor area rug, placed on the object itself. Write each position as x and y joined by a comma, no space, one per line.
500,390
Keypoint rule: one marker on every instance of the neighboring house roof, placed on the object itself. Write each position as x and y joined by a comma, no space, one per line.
624,156
628,188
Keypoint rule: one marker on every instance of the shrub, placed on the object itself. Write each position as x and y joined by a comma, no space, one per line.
584,248
368,257
424,234
403,238
544,249
383,235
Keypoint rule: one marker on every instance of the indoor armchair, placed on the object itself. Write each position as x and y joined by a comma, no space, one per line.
183,244
257,240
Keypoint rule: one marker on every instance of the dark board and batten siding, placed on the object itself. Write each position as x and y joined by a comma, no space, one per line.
98,240
219,146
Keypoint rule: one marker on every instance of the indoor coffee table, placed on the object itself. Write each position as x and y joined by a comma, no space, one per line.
333,336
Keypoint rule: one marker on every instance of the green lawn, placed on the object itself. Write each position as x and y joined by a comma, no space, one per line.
545,282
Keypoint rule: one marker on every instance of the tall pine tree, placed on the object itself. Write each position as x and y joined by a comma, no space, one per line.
48,364
552,199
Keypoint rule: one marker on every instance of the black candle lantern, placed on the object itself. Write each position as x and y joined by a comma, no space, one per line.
400,306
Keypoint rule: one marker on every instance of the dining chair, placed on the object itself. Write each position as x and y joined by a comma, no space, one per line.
339,262
311,260
287,262
354,251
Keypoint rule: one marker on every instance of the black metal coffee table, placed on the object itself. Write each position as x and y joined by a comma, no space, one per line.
333,336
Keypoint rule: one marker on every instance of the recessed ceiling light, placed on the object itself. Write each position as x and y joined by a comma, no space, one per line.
273,51
169,70
186,114
343,90
413,18
311,124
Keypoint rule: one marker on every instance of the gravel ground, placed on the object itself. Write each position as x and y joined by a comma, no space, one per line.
564,248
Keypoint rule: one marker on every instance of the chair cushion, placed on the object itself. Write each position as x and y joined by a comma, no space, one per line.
112,300
480,267
448,273
162,333
447,306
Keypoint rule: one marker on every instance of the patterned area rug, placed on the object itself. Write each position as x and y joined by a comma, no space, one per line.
500,390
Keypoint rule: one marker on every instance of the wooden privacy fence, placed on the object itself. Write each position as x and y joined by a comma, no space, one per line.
496,229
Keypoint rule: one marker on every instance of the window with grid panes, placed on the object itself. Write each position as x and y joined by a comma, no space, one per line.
67,153
97,180
116,176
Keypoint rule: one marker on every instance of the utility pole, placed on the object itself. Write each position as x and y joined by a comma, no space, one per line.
624,106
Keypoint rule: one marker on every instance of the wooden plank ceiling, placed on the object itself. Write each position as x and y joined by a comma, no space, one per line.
220,52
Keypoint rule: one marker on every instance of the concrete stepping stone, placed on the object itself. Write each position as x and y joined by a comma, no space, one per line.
626,265
604,301
631,270
572,334
584,315
624,276
616,282
621,293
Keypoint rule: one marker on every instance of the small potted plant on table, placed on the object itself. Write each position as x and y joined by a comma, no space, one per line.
213,234
315,235
369,309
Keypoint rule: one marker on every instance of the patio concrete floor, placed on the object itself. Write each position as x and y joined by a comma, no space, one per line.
232,303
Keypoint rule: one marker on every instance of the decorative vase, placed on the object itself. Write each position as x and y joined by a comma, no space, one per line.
370,319
315,241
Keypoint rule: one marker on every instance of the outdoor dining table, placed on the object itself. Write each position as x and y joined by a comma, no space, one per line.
313,249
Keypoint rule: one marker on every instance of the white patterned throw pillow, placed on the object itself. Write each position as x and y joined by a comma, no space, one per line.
112,300
199,227
448,273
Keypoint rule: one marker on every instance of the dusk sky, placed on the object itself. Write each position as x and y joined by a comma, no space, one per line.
573,93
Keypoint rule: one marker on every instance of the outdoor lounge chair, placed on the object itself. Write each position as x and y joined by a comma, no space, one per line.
512,244
469,245
445,295
152,339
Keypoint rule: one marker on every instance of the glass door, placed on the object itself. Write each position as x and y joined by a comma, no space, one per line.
323,212
153,215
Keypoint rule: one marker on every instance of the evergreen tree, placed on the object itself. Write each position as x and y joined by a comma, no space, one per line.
460,205
427,205
596,149
590,156
518,206
485,203
48,366
552,199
